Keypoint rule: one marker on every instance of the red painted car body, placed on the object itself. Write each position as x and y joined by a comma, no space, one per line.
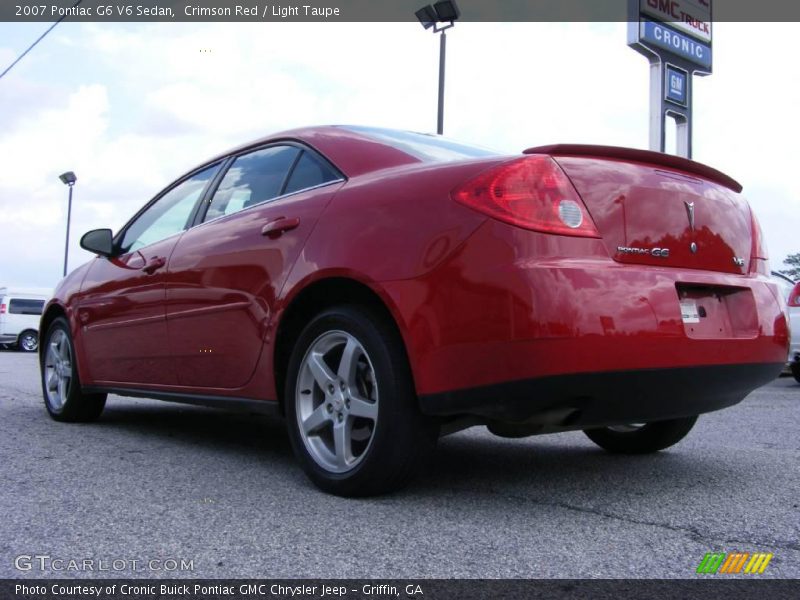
499,321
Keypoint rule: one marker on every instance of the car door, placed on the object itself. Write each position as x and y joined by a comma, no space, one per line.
122,310
226,272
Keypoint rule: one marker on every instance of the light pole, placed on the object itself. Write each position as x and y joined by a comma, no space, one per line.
69,179
431,16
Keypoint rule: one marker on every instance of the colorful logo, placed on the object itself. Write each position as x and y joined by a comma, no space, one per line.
731,563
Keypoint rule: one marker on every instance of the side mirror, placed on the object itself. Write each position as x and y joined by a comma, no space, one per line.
99,241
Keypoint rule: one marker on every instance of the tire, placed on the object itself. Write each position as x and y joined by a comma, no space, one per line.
355,425
28,341
641,439
61,386
796,371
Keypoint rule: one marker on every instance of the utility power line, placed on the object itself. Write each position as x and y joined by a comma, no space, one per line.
39,39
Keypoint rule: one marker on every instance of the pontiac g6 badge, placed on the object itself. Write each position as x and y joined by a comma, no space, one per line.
690,214
657,252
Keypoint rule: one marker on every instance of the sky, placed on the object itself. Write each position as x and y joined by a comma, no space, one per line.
131,107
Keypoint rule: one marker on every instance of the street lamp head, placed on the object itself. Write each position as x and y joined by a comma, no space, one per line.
427,16
447,11
68,178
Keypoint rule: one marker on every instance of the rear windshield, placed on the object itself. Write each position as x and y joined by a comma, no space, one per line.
19,306
425,147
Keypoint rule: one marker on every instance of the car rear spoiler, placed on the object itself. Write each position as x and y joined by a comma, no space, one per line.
645,156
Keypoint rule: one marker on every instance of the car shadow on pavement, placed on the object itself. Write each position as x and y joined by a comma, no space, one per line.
474,460
225,431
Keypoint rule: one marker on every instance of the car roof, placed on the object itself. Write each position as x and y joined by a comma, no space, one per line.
351,152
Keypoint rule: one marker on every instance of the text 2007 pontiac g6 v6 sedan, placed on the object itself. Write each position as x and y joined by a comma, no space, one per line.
380,287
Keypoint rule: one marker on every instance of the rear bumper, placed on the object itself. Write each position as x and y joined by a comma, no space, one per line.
596,399
509,321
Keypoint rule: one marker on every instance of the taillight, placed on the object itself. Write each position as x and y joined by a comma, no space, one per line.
759,261
2,309
531,192
794,297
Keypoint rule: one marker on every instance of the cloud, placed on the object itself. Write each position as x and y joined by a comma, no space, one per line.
129,107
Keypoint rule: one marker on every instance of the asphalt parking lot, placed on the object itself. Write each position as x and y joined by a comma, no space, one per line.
158,481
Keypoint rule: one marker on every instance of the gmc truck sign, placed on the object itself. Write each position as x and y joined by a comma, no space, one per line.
689,16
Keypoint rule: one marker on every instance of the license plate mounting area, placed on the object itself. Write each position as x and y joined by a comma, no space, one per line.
717,312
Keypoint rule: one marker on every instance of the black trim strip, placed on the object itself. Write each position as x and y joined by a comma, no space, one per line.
200,209
268,407
607,398
290,171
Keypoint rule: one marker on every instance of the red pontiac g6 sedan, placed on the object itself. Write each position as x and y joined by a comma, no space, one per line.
379,288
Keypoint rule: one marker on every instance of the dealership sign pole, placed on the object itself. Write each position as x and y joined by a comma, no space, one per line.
675,36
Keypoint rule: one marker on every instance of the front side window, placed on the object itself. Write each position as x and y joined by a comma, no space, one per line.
252,179
169,215
25,307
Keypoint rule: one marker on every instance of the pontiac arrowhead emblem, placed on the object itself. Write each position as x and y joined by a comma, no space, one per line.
690,213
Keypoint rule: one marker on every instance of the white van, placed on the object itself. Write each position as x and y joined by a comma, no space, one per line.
20,310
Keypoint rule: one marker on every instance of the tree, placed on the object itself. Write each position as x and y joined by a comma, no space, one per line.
793,262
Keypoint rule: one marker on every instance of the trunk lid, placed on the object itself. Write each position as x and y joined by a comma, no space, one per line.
657,209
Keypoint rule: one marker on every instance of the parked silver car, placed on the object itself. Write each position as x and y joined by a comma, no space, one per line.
791,293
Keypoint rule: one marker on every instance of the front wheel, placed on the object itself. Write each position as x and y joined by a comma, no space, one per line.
641,438
796,370
28,341
351,409
61,387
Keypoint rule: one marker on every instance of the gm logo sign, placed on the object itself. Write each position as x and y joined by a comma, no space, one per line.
731,563
676,85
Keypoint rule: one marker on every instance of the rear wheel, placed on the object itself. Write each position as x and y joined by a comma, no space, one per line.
796,371
61,387
351,408
641,438
28,341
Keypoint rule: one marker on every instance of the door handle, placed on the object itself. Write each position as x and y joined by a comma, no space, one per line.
275,228
154,264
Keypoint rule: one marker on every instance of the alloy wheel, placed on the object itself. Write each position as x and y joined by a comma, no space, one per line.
58,369
337,401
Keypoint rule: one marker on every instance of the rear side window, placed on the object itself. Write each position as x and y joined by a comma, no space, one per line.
424,147
19,306
309,172
252,179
